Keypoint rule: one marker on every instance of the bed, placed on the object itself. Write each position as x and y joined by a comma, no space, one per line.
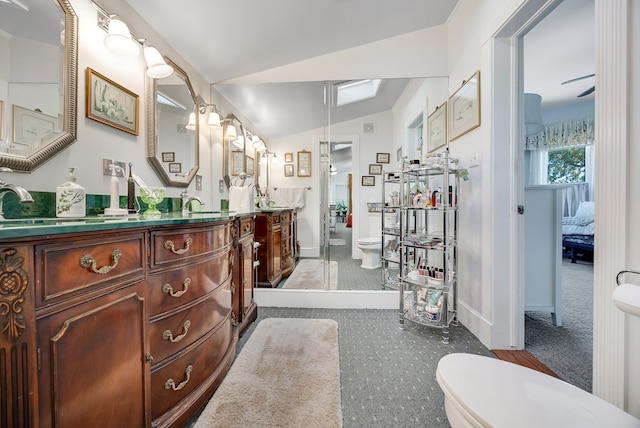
578,231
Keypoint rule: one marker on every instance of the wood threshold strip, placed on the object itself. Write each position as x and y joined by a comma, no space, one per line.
524,358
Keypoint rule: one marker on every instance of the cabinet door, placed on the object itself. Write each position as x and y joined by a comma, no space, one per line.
95,375
247,275
276,250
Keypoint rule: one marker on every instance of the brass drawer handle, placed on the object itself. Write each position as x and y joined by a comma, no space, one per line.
187,243
171,384
87,261
168,289
168,335
247,227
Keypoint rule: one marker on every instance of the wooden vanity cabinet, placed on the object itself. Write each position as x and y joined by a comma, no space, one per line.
268,234
288,263
244,306
115,328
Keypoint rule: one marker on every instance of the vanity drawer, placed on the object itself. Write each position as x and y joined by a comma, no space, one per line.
174,381
184,245
171,289
172,333
71,267
246,227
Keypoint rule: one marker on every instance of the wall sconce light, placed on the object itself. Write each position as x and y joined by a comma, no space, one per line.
118,40
263,158
274,159
191,125
157,68
231,133
214,117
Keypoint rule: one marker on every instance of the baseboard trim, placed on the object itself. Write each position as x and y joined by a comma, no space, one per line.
326,299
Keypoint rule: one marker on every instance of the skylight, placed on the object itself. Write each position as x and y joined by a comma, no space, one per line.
355,91
167,100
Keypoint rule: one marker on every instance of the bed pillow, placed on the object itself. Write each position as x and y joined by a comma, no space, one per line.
586,209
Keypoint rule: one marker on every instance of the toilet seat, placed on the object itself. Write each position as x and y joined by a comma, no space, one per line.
484,391
374,240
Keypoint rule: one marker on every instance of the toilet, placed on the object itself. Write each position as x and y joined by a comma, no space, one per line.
371,245
487,392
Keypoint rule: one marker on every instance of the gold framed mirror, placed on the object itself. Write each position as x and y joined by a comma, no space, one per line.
39,108
233,149
172,127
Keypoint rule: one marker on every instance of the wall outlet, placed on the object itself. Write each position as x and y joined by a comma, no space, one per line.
474,160
106,167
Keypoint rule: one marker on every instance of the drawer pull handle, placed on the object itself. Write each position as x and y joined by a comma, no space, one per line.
168,289
170,246
168,335
87,261
171,384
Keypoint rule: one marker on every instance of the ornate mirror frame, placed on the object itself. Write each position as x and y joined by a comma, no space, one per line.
68,135
153,153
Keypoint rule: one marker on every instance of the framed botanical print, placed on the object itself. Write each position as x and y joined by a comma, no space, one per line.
175,167
168,157
237,162
464,107
382,157
111,104
437,128
288,170
288,157
375,169
368,180
304,164
250,165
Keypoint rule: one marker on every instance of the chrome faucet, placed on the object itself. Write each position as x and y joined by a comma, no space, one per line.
186,201
23,195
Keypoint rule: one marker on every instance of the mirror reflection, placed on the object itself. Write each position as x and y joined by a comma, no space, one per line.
172,128
37,103
235,164
298,118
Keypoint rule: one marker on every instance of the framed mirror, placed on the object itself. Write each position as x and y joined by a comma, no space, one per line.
38,104
234,150
172,138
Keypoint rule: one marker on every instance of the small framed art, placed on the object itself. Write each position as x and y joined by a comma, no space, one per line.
175,167
168,157
304,164
464,107
382,158
437,128
375,169
288,157
368,180
288,170
111,104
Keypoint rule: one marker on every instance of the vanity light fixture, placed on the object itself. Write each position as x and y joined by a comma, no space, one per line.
157,67
118,40
191,125
231,133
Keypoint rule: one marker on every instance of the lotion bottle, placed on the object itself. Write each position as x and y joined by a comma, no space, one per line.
114,208
70,198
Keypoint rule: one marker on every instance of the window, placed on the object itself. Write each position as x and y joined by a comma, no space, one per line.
567,165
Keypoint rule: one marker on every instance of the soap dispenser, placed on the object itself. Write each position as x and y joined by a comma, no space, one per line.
70,198
114,197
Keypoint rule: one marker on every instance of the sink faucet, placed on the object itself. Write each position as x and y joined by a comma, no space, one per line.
23,195
186,201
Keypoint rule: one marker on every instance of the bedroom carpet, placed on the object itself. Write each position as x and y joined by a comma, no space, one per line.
287,375
308,274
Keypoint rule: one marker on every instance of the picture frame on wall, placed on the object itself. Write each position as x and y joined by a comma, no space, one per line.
237,162
288,157
111,104
304,163
198,182
288,170
437,128
375,169
382,158
250,165
464,107
168,157
368,180
31,126
175,167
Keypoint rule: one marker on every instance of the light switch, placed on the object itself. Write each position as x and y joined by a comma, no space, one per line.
221,186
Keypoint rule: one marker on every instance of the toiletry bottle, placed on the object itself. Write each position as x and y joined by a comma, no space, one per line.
434,197
70,198
131,192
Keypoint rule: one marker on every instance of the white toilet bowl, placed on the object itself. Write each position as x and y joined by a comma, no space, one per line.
371,250
487,392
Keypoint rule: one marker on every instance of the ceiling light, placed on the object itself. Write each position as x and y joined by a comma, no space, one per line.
352,92
119,39
157,67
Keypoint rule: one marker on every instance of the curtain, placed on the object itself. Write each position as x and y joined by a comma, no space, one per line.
561,135
536,166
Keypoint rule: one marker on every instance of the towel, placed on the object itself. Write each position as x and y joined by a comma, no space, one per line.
240,199
290,197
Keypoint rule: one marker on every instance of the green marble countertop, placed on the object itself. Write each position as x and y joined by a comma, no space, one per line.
33,227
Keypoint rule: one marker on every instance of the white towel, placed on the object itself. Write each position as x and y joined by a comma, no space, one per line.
290,197
240,199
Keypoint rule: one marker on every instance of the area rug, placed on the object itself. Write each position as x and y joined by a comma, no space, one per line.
337,242
287,375
308,274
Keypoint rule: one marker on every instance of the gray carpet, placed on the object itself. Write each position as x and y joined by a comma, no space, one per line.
567,350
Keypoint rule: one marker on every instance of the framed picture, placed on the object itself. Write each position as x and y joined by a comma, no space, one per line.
288,157
175,167
111,104
375,169
464,107
168,157
237,162
288,170
437,128
198,182
399,154
31,126
250,166
304,164
382,158
368,180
